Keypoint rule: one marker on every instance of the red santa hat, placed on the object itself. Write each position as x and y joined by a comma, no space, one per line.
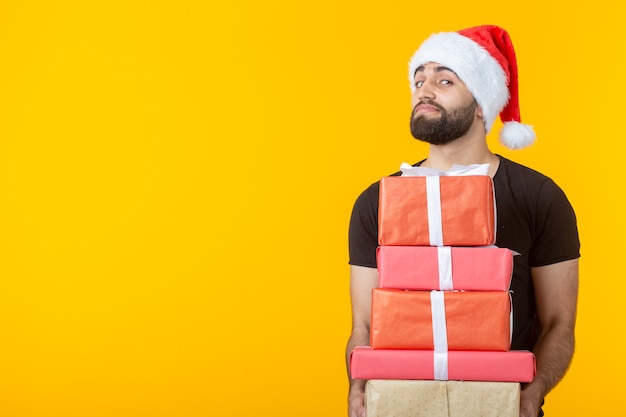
484,59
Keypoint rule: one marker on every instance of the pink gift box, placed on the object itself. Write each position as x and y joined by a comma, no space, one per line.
445,268
511,366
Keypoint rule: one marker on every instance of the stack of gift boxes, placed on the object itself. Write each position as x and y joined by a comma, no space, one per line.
441,319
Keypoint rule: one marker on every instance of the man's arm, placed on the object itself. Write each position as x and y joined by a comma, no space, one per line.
362,281
556,293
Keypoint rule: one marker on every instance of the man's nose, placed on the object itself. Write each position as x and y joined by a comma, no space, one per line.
426,90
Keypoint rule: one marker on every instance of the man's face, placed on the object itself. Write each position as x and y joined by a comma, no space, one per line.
443,108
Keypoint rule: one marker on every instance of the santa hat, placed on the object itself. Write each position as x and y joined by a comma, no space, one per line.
484,59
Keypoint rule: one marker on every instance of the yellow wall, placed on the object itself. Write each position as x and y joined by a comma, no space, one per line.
176,180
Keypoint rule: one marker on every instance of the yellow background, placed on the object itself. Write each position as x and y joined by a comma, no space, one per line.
176,180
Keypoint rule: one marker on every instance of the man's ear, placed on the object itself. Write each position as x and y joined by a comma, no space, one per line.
479,112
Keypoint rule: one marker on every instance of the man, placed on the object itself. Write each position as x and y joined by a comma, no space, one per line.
461,81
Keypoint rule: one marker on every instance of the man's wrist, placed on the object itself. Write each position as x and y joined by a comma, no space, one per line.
357,386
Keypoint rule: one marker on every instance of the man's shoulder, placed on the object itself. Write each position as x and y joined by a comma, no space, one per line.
517,179
514,171
375,186
369,196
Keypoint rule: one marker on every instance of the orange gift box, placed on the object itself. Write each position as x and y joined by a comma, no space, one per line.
464,365
445,268
474,320
461,211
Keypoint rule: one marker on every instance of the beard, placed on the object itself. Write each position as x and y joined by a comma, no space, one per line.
449,126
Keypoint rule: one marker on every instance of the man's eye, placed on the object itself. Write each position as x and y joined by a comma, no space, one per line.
418,84
445,82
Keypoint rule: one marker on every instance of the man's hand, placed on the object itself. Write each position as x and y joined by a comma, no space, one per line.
530,400
356,400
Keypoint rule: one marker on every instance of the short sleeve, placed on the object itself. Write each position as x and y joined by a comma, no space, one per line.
556,230
363,229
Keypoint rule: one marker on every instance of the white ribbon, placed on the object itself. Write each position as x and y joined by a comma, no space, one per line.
444,258
433,201
438,311
440,337
441,366
456,170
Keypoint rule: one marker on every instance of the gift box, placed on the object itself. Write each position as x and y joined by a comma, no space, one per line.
437,211
406,398
445,268
463,365
443,320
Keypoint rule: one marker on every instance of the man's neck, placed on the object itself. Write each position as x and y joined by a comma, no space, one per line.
463,151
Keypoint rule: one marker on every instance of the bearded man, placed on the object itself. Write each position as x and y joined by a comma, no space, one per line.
461,81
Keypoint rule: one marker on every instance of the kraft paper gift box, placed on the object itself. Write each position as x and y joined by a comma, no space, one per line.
445,268
461,365
437,211
448,320
405,398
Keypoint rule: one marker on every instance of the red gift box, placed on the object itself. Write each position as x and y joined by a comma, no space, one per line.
437,211
445,268
511,366
449,320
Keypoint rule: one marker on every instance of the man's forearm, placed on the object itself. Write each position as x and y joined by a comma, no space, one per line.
554,351
357,338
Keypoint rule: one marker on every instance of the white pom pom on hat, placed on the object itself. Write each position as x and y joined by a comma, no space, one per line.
484,59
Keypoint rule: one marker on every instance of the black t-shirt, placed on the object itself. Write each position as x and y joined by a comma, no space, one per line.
534,219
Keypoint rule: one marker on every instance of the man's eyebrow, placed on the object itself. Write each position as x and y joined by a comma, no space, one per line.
442,68
437,69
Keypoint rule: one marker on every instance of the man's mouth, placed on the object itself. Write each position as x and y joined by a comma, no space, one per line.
426,108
